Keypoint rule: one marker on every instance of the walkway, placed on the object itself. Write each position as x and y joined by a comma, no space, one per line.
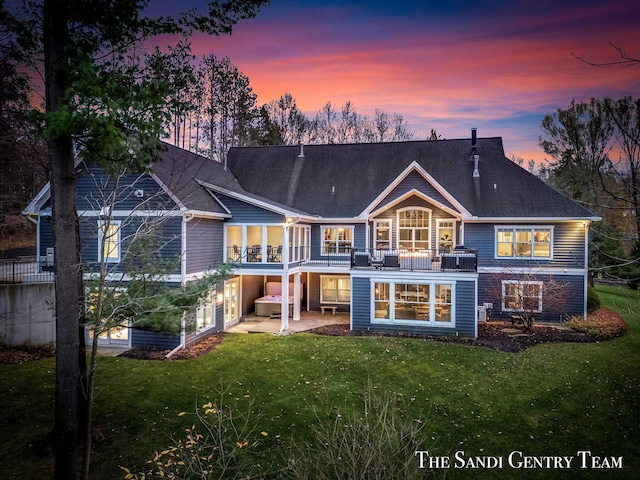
308,320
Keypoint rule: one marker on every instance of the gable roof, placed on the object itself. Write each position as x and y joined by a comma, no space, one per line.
341,180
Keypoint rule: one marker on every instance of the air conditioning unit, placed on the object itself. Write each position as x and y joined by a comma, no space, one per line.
482,314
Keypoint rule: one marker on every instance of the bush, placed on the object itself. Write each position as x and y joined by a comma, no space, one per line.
602,324
377,445
221,443
593,299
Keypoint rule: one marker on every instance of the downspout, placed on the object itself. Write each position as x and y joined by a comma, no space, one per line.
183,338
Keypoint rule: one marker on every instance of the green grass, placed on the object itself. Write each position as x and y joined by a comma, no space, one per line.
549,400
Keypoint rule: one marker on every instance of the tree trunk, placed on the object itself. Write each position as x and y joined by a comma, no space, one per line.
66,258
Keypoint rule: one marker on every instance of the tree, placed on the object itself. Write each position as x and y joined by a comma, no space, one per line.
625,60
582,140
527,294
133,293
88,46
229,106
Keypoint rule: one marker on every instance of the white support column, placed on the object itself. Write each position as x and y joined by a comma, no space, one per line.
296,296
284,305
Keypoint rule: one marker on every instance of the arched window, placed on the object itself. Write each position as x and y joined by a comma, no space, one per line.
414,229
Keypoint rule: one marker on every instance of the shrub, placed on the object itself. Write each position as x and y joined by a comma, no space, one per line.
602,324
377,445
593,299
221,443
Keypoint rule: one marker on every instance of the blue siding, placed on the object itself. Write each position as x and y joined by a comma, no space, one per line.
243,212
204,244
568,246
169,231
414,181
490,289
93,187
436,214
149,339
465,312
46,235
314,293
252,287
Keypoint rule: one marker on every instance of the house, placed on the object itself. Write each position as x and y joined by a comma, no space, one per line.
411,237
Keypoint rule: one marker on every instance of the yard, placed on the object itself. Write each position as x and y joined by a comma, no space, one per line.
549,400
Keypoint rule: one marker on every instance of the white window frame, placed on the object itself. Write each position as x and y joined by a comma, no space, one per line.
439,226
431,321
383,223
513,229
324,243
520,283
112,224
206,311
428,227
244,243
337,278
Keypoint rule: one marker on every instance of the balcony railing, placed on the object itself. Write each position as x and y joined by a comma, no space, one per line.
26,271
460,259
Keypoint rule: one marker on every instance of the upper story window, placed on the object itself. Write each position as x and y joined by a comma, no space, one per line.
382,234
446,235
109,236
337,240
414,227
523,242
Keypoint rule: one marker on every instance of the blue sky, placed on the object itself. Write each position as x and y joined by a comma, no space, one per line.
450,65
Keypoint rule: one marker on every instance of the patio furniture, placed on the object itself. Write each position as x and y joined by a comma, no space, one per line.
390,261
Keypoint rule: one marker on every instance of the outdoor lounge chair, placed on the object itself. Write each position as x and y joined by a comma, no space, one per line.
390,261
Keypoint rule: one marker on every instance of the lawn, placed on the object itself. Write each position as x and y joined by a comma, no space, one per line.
550,400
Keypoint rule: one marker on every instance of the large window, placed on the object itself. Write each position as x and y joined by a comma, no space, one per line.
109,236
335,289
523,242
254,243
413,229
382,234
337,240
413,303
521,296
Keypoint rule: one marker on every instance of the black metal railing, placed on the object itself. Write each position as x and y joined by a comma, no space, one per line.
461,259
25,271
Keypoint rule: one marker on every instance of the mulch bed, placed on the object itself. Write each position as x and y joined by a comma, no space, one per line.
497,335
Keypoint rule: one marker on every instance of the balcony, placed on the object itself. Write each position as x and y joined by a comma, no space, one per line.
461,259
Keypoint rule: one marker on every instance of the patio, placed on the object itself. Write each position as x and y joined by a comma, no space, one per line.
308,320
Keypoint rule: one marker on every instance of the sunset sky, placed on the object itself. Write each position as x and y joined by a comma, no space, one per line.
451,65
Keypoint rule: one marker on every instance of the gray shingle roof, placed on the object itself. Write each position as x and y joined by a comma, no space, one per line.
342,180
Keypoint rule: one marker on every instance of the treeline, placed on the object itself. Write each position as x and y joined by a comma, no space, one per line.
213,108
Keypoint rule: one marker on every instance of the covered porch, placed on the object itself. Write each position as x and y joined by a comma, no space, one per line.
308,320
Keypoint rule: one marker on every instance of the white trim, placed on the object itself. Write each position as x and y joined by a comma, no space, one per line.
431,321
335,277
376,223
520,283
529,220
531,228
111,223
413,229
410,168
416,193
439,222
535,270
336,227
133,213
253,201
167,190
